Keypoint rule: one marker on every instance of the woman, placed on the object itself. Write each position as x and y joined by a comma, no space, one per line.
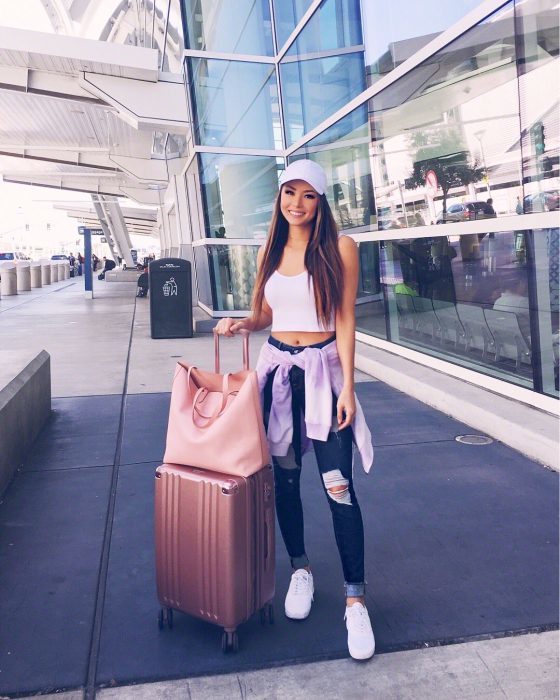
306,288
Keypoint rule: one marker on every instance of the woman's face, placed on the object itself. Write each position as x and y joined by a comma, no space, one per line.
299,203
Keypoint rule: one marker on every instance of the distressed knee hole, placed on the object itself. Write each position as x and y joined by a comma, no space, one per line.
337,487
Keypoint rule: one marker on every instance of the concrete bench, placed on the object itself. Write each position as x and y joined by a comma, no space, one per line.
25,406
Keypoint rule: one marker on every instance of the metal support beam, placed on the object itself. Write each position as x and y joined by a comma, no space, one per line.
117,226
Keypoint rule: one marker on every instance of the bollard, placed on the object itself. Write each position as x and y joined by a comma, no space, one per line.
23,275
45,272
54,272
61,271
36,275
8,279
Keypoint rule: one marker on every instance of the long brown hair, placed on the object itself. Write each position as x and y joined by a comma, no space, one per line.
322,260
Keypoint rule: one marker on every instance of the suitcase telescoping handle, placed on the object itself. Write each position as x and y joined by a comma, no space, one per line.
245,334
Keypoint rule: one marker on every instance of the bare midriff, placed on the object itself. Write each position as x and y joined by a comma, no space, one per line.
301,337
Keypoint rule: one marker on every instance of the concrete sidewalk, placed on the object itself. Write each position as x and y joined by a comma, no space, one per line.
101,347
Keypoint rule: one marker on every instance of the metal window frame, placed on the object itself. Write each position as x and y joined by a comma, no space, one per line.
470,20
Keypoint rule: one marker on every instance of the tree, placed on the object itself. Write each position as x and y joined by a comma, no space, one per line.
442,151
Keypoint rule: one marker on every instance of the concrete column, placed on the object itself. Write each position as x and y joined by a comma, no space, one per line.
45,272
23,274
8,279
35,274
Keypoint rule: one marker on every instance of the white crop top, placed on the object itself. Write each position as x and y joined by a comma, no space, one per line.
292,301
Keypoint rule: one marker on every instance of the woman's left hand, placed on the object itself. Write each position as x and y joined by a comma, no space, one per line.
345,408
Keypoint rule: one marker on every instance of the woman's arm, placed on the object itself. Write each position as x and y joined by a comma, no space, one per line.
345,330
256,322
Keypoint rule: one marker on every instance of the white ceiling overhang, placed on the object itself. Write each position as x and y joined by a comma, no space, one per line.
83,115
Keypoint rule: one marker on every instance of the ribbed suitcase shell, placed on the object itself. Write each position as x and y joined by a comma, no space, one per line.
214,537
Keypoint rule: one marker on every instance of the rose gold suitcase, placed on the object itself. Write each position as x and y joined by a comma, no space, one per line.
215,548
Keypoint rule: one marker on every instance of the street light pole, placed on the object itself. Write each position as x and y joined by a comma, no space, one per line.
478,136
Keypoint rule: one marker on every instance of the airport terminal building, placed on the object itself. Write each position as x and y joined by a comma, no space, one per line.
437,124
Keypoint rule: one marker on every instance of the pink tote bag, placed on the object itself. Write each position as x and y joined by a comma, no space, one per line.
215,420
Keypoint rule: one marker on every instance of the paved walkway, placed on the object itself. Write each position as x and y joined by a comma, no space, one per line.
110,380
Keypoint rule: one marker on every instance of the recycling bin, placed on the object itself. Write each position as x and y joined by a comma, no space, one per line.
170,298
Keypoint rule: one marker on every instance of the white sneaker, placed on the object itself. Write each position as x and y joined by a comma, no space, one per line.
300,595
361,642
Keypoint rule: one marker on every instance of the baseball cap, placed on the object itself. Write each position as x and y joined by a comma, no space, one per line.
308,171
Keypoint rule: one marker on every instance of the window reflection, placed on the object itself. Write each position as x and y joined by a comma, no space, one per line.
238,194
236,103
395,31
335,25
445,137
313,89
538,22
343,151
287,14
241,27
232,270
478,299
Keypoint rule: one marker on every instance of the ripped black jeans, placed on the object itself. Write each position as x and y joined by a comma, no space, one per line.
334,459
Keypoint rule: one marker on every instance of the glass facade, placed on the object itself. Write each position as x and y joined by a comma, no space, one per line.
238,194
434,175
287,14
484,301
231,271
236,103
241,27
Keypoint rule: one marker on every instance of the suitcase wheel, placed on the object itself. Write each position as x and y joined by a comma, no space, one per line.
267,614
230,642
165,617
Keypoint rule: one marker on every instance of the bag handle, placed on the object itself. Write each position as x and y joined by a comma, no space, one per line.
245,334
219,410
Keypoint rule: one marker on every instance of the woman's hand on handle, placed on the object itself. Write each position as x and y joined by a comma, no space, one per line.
230,326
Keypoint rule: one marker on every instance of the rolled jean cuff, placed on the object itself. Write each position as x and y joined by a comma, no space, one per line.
299,562
355,590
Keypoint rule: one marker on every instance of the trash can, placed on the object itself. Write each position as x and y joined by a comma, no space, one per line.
170,298
23,274
36,275
8,279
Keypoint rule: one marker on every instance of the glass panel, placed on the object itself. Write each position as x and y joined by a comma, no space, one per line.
539,67
394,31
236,103
446,136
241,27
343,151
370,306
287,13
204,275
478,300
314,89
335,25
232,271
544,245
239,193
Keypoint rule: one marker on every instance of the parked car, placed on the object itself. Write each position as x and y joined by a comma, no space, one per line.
542,201
59,256
16,255
467,211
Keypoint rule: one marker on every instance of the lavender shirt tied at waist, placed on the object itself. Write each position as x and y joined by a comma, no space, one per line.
323,376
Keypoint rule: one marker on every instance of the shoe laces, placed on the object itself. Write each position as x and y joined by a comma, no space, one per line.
358,617
300,582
